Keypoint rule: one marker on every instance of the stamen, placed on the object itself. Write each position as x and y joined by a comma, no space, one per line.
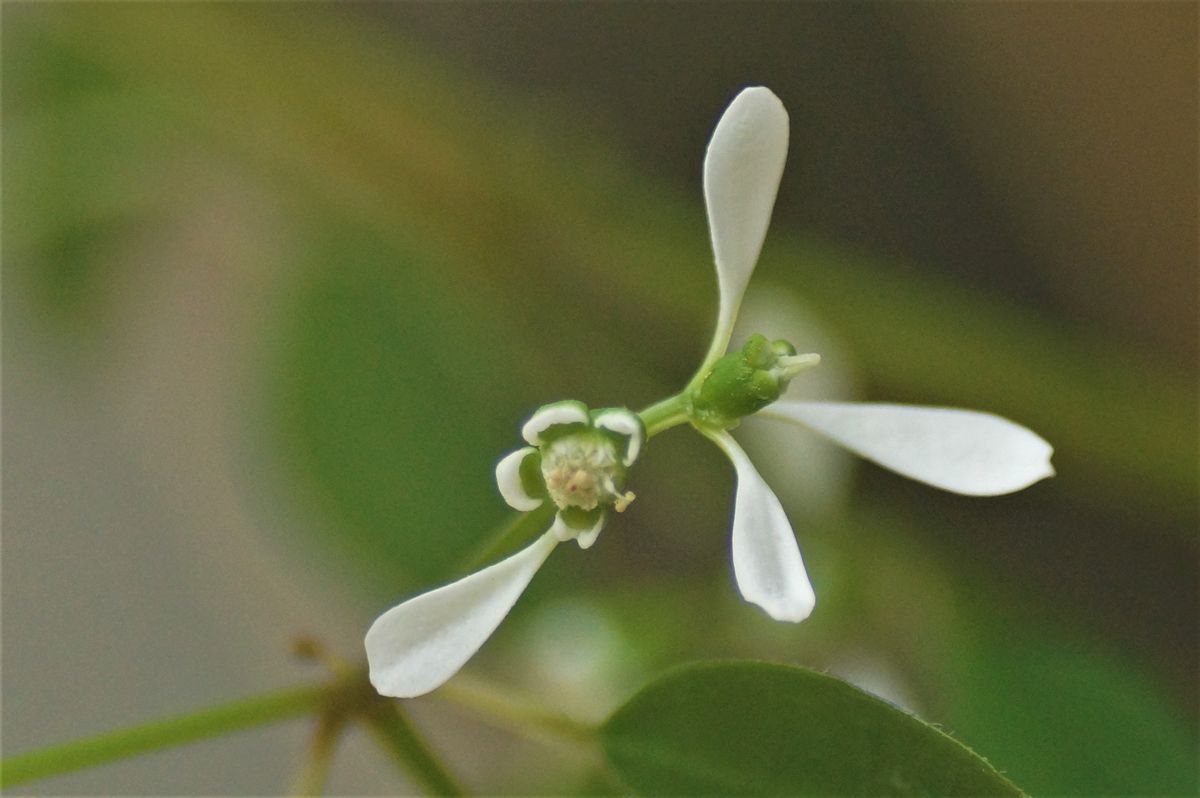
623,501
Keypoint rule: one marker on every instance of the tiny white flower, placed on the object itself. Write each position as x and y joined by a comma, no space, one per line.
579,460
957,450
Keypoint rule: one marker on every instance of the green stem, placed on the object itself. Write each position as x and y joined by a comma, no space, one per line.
389,726
661,416
111,746
396,734
514,712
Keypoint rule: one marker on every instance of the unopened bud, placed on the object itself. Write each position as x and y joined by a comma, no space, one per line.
743,382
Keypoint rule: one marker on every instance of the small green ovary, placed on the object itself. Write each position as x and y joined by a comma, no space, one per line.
745,381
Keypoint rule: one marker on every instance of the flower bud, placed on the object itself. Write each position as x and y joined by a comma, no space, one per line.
743,382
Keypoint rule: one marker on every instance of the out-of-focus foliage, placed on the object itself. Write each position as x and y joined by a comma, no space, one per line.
1061,715
456,254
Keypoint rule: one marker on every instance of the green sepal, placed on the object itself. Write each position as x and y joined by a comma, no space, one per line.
530,472
783,348
551,434
556,431
620,441
758,352
580,519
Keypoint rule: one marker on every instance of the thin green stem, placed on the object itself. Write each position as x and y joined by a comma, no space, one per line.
389,725
515,712
716,348
661,416
393,731
109,747
313,774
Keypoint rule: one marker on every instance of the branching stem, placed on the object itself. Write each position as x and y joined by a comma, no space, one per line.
112,746
315,770
392,730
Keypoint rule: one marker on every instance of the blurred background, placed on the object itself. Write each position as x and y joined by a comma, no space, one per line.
282,281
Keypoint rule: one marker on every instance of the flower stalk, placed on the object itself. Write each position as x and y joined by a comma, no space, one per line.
315,769
661,416
345,699
112,746
391,728
516,712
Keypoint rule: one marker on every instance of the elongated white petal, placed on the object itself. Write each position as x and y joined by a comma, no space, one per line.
508,480
567,411
627,423
415,647
766,559
741,177
964,451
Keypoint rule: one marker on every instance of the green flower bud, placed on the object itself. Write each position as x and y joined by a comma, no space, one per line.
743,382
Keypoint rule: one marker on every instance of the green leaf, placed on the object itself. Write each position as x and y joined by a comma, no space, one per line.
378,406
1068,718
751,728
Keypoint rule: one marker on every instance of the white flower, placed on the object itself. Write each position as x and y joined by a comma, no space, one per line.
579,459
968,452
576,459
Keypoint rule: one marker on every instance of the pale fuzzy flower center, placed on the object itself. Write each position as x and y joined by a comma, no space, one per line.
581,471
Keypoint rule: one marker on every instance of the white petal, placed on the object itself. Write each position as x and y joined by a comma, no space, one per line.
562,531
979,454
627,423
415,647
766,559
567,411
826,467
588,537
508,480
741,177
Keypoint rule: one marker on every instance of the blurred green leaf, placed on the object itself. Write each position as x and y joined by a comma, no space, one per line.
747,728
380,407
76,266
412,149
1063,719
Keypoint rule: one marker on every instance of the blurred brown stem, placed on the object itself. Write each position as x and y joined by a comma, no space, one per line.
315,770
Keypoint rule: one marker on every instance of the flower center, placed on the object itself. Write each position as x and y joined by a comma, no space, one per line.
582,470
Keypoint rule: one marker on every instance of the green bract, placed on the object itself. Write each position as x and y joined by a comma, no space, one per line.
743,382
